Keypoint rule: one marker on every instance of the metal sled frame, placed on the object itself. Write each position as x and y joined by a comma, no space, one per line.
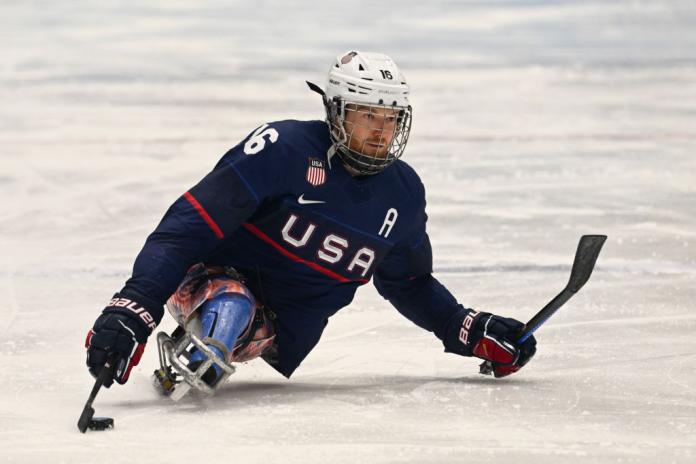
171,350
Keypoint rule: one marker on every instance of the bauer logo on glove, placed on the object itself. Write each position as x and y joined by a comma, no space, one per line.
119,333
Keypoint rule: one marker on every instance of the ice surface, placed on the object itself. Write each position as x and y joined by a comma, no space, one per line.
534,122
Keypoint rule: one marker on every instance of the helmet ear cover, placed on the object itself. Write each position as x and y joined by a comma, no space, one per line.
335,109
335,112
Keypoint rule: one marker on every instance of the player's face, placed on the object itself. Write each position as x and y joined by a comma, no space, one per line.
370,129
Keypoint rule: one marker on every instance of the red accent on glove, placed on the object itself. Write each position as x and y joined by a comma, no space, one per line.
132,362
88,341
503,359
502,371
491,350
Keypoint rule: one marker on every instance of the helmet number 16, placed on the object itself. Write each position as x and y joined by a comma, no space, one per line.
386,74
256,142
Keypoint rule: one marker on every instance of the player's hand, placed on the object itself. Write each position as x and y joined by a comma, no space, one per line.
491,338
118,334
498,345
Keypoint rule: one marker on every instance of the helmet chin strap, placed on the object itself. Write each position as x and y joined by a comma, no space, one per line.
330,153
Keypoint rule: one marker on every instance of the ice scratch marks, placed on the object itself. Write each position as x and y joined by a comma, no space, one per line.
576,392
10,307
502,268
681,364
624,321
645,267
571,137
353,333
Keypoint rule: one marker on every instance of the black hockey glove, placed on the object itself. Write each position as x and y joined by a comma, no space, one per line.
492,338
119,333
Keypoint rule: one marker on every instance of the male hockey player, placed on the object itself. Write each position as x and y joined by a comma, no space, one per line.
278,237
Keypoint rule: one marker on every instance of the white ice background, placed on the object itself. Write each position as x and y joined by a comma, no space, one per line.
534,122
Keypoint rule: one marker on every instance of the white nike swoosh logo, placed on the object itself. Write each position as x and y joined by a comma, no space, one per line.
302,201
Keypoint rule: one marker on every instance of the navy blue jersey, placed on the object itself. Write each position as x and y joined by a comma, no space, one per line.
304,232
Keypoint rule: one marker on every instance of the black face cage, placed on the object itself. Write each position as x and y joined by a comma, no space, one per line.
362,163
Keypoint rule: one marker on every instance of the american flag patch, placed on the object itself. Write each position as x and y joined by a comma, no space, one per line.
316,174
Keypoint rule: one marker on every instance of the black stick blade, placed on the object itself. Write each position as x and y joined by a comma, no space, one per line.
107,372
85,419
585,259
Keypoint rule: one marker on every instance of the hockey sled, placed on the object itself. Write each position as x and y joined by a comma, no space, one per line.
174,378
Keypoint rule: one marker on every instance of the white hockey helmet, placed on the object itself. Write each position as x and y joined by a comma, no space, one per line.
367,83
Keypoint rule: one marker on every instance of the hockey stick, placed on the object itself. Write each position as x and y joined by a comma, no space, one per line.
86,418
585,259
583,265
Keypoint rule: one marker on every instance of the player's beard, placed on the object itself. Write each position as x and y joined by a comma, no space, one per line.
375,147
